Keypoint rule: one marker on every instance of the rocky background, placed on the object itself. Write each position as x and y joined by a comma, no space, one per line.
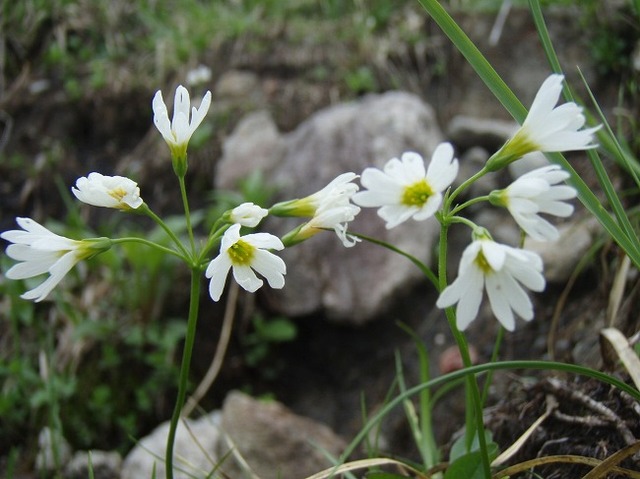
300,106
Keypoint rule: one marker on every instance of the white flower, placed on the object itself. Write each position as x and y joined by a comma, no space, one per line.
330,216
178,132
503,271
108,191
337,193
248,214
245,254
41,251
329,208
404,190
537,192
547,128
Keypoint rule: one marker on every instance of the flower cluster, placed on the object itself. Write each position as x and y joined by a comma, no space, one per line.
405,188
39,251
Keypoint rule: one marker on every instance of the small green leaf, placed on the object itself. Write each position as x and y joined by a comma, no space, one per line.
459,450
468,466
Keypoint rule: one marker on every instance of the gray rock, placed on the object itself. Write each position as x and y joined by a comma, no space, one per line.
194,451
104,465
350,285
273,442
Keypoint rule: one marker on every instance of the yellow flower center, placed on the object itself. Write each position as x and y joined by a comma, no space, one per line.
417,194
483,264
118,193
241,253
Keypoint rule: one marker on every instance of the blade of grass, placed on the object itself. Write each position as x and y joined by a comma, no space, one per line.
428,447
511,103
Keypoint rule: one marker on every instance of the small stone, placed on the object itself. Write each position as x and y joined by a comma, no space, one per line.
194,450
451,360
274,442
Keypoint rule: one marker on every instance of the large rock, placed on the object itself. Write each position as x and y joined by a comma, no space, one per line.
354,284
272,442
194,450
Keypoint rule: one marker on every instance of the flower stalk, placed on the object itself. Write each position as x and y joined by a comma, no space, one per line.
187,352
473,416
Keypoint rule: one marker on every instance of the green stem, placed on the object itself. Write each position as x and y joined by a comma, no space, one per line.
465,184
472,389
194,302
187,215
424,268
146,242
471,202
144,209
461,220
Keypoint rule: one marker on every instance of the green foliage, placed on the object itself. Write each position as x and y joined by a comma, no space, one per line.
362,80
110,384
259,343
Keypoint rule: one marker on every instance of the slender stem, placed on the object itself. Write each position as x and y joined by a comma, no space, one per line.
187,215
423,267
465,184
194,302
462,220
471,202
144,209
472,389
146,242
